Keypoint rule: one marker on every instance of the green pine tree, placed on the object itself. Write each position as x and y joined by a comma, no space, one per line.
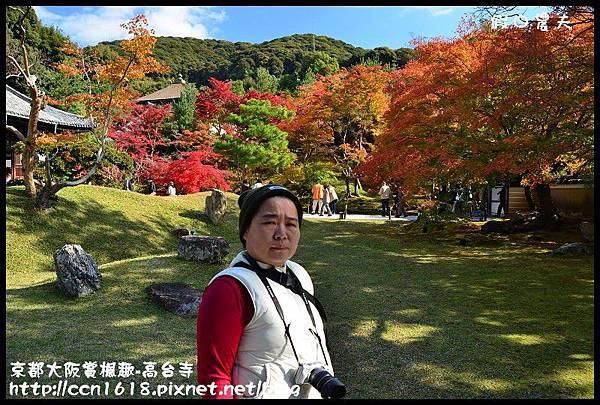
258,146
184,109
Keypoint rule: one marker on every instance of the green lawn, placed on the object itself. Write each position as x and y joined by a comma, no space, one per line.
411,316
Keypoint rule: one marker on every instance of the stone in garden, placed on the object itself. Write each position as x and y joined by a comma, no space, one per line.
574,248
587,231
210,249
180,232
216,203
534,237
178,298
77,271
518,222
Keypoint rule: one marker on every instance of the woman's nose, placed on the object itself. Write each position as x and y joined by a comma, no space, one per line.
280,231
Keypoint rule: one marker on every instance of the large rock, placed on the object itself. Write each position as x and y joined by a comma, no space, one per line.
211,249
587,231
77,271
215,206
178,298
574,248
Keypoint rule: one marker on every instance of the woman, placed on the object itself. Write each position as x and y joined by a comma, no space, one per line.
241,338
245,185
325,202
334,199
171,189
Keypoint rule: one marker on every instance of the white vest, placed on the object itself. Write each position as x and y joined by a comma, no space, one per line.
265,354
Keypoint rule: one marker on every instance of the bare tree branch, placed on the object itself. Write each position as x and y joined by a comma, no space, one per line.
14,61
48,172
103,136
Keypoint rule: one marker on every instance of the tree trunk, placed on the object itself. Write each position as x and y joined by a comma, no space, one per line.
28,161
30,153
544,202
42,200
529,198
356,186
347,184
46,194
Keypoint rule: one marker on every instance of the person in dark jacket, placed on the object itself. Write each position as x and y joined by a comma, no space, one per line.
128,184
399,204
151,187
245,186
502,198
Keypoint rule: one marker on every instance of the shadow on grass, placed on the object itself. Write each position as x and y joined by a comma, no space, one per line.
194,215
106,234
116,323
500,322
410,317
226,227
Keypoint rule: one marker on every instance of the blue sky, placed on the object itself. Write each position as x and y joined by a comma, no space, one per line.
364,26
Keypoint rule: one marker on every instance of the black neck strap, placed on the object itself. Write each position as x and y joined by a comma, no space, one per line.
291,282
288,280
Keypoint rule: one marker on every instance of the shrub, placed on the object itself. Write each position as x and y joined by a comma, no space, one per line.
109,176
432,221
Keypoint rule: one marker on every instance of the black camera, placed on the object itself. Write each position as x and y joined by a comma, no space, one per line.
329,386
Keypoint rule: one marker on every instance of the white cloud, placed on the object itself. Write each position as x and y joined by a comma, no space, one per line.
435,10
90,25
182,21
441,12
45,15
421,11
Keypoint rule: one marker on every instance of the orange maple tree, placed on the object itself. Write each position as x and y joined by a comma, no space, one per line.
109,91
491,104
338,117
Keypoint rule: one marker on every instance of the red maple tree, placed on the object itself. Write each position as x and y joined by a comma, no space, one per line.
193,172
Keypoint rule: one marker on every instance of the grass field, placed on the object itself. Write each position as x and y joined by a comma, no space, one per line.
411,316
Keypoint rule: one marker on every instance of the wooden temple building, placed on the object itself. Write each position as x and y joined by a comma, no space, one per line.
51,120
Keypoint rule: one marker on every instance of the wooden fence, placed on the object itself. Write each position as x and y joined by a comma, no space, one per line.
569,199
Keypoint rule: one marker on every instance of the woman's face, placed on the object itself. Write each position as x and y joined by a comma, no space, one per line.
274,232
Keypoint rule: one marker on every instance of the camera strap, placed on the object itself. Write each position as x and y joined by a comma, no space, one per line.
291,282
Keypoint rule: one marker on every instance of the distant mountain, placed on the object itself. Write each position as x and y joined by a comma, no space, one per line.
198,59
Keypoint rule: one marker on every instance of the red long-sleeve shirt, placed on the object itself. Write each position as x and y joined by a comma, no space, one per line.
225,310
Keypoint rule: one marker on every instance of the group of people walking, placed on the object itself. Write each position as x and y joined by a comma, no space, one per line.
246,185
399,208
324,200
478,202
128,185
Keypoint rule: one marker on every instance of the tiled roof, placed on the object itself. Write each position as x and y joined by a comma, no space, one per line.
19,105
170,92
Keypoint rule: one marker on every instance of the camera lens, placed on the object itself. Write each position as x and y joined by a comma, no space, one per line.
329,386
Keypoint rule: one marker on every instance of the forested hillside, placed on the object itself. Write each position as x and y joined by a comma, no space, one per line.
282,64
196,60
